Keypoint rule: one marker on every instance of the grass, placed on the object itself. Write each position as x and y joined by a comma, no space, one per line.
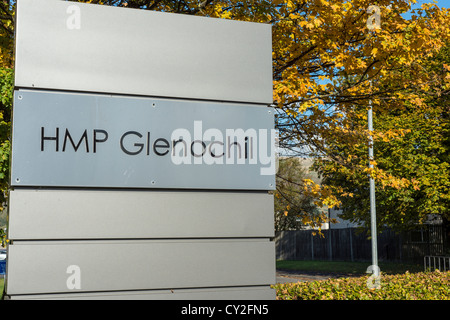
352,268
2,283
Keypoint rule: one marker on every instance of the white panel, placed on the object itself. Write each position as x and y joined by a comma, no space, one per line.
101,214
74,46
235,293
58,267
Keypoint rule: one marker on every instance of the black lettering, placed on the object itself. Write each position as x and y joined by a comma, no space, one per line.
83,137
140,145
105,137
192,148
174,143
165,144
212,153
229,148
148,143
43,138
246,148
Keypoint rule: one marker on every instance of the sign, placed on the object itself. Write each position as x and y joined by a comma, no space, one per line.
138,214
97,48
87,140
143,150
138,265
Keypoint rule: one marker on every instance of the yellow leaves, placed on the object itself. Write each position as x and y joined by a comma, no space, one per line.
323,194
335,7
327,25
416,184
303,23
347,5
391,134
426,31
388,180
290,4
418,101
347,194
309,25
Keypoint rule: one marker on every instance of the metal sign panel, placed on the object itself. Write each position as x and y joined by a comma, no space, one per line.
103,214
92,266
81,47
84,140
232,293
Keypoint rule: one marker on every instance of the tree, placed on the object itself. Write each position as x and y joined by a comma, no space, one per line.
6,94
293,207
316,45
414,146
324,89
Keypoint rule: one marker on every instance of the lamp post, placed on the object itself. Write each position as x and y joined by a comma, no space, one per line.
373,219
373,22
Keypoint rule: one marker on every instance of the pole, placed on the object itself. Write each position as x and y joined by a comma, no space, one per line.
373,220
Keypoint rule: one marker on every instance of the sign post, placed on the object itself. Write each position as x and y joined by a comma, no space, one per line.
151,138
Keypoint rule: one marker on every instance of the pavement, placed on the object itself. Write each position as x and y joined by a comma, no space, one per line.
285,276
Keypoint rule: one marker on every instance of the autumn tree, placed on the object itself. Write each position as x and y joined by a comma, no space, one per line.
324,59
334,66
293,208
414,146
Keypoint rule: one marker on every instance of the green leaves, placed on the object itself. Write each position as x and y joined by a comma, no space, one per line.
6,87
6,98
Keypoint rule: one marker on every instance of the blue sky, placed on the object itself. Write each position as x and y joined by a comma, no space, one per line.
440,3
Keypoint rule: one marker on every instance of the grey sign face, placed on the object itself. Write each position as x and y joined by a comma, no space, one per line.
94,266
99,214
86,140
81,47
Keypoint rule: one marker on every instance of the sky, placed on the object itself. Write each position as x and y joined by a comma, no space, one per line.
440,3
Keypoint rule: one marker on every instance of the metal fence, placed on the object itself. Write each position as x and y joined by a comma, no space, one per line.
350,244
432,263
